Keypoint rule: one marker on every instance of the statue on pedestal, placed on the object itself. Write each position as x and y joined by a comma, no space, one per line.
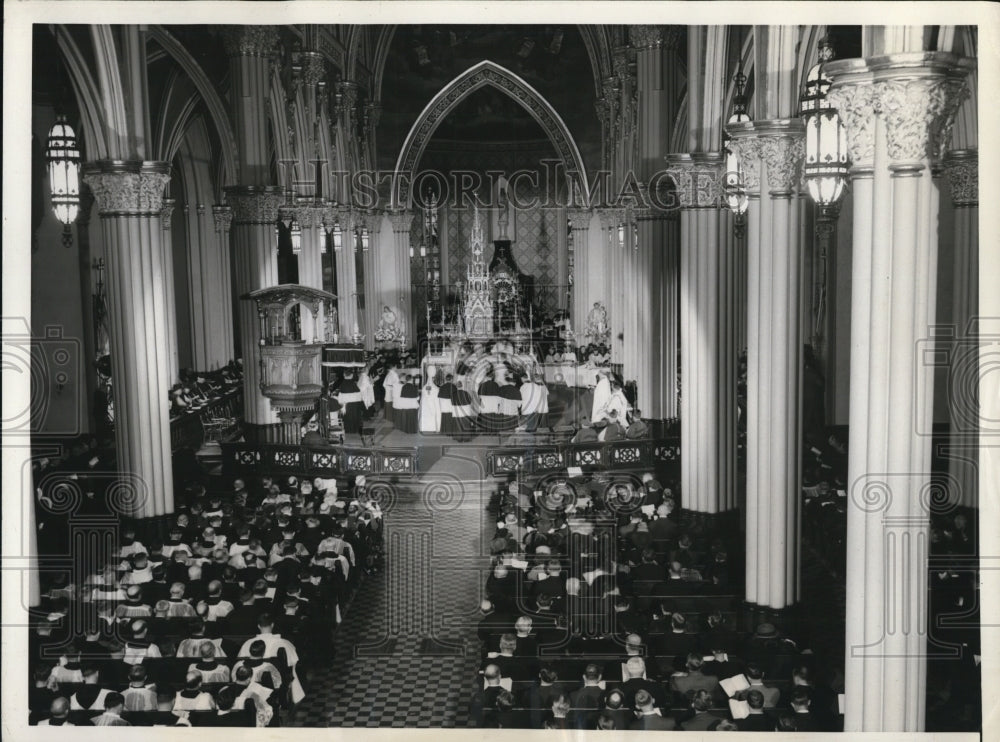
390,327
597,323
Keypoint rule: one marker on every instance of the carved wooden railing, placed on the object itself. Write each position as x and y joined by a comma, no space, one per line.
617,455
248,458
265,458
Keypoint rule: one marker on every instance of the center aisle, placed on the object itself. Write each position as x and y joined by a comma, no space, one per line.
407,646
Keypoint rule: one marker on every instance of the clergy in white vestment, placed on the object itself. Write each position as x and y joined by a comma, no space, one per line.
602,395
430,409
619,404
391,383
367,389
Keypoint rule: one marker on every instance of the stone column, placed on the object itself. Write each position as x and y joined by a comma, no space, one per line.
255,252
898,110
310,219
772,154
396,264
962,170
347,282
708,335
580,224
211,290
129,198
613,242
167,246
255,201
658,81
223,345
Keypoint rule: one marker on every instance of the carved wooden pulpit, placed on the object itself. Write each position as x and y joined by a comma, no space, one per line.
290,370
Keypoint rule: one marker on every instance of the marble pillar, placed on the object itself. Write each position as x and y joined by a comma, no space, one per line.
962,170
347,283
707,334
170,323
255,257
129,199
223,347
897,110
771,153
313,241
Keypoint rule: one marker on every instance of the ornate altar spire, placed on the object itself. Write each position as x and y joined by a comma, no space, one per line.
478,304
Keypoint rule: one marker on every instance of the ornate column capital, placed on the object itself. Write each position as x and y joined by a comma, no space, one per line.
579,218
401,221
698,178
855,102
746,146
919,114
309,215
783,154
313,67
961,167
255,204
166,213
646,37
611,217
347,98
222,215
250,41
130,188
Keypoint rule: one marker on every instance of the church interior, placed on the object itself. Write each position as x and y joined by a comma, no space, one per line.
506,376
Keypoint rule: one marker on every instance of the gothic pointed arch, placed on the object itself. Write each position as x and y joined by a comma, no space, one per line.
479,75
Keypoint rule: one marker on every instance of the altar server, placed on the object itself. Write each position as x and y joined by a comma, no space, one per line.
445,392
462,411
349,396
391,384
510,405
489,402
406,405
535,403
367,390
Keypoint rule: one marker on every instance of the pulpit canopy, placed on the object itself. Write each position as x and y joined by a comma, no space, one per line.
278,322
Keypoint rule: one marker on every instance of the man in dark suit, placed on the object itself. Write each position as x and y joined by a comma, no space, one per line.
648,715
702,719
694,678
676,642
758,720
805,719
637,681
485,703
586,701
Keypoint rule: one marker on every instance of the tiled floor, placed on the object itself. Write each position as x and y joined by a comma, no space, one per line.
407,649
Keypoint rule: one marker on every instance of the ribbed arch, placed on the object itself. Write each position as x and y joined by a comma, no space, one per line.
474,78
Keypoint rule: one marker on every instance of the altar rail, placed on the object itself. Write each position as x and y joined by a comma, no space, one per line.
263,458
618,455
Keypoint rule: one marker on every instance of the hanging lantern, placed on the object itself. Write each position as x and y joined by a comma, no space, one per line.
338,237
63,156
411,252
296,231
826,138
734,184
364,239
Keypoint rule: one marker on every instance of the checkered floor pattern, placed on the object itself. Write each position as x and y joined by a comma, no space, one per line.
407,647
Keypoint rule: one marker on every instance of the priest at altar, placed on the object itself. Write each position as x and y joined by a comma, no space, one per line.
430,409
